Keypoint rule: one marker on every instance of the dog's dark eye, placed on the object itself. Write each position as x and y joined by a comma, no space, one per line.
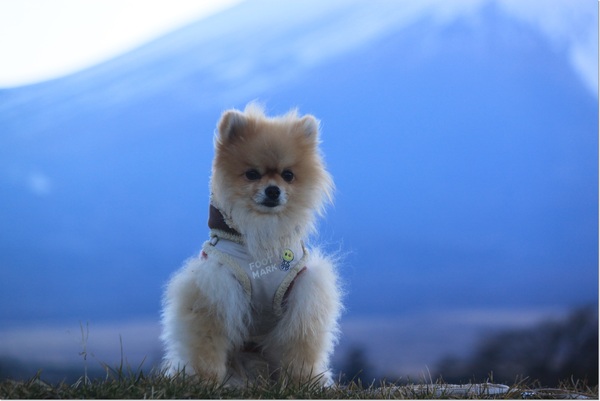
287,175
252,175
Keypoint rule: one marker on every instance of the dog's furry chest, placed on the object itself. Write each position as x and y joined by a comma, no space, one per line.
266,281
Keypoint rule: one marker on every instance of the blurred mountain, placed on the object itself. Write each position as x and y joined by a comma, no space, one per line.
464,148
550,352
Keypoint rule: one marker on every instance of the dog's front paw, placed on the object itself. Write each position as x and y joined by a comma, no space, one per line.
213,374
210,363
301,374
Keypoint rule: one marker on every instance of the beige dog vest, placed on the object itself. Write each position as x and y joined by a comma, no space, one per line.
266,282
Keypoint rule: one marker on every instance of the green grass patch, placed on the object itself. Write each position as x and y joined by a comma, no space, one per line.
127,384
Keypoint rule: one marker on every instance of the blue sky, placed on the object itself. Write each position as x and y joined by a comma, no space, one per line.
46,39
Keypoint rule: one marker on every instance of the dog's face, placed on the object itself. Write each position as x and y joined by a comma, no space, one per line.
266,188
268,166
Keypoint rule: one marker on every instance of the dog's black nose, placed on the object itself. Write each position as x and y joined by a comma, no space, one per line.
272,193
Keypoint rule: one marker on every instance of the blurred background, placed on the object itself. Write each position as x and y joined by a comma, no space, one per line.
462,136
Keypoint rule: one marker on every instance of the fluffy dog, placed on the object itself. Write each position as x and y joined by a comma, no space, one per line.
255,302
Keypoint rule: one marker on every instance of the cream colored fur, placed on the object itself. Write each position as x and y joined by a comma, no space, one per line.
206,313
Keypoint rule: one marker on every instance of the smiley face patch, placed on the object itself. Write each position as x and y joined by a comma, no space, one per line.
286,259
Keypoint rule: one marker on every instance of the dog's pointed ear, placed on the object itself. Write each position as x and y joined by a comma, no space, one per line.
310,125
231,124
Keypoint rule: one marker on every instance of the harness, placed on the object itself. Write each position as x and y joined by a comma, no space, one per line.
266,282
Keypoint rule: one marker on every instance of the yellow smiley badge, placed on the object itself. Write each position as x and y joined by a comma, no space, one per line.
287,257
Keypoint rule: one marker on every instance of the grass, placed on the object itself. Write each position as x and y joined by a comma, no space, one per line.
121,383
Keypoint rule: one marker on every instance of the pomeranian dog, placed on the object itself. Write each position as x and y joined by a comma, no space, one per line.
256,302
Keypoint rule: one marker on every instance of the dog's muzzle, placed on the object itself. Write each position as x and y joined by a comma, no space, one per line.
272,195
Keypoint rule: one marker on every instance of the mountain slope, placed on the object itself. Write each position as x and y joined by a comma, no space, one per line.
465,155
